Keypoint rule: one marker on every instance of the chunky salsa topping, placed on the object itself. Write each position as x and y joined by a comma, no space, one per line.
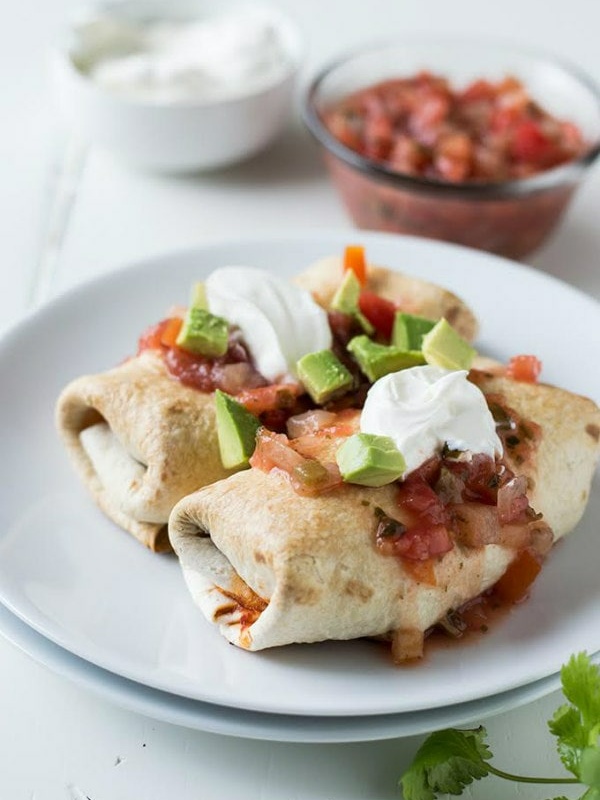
474,502
308,476
423,126
230,372
233,373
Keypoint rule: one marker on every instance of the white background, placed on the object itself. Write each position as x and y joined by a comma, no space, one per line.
69,213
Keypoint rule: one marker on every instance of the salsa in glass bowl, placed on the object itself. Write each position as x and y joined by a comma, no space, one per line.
475,143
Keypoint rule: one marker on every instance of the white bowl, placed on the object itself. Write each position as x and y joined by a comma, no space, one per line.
182,136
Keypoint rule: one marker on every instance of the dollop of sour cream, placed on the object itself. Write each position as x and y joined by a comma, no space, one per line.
181,61
423,408
280,322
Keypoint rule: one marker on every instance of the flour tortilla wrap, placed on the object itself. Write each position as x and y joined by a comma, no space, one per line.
140,440
313,563
414,295
560,473
270,567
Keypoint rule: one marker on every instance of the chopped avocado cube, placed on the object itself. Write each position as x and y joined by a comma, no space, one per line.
236,431
198,298
444,347
409,329
203,333
323,375
370,460
346,299
376,360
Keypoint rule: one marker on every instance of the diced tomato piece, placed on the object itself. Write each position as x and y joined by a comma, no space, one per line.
432,111
163,334
423,541
454,156
530,143
378,135
354,259
344,128
151,338
452,169
429,470
503,119
171,332
275,397
516,582
273,450
379,311
417,497
192,370
524,368
480,478
477,91
407,155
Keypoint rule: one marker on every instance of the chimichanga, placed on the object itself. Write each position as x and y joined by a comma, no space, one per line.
140,440
270,567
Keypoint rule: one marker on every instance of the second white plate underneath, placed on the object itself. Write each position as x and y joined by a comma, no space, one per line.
251,724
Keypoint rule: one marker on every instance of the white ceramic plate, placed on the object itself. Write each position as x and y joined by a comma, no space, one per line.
252,724
81,582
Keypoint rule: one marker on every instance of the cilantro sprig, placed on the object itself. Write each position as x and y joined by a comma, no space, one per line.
448,761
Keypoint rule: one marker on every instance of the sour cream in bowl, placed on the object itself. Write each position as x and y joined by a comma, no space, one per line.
181,86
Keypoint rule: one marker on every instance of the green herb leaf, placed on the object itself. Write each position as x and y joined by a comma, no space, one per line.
590,767
577,726
446,762
591,794
581,686
572,737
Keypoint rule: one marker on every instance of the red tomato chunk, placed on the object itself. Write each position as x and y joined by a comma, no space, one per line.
423,126
524,368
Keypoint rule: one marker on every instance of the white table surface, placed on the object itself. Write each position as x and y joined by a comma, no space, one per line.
70,213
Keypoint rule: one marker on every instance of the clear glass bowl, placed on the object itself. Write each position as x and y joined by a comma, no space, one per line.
511,218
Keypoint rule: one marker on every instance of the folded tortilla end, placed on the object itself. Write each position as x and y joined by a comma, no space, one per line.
139,440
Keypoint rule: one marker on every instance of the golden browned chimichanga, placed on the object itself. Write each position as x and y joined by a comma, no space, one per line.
270,567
